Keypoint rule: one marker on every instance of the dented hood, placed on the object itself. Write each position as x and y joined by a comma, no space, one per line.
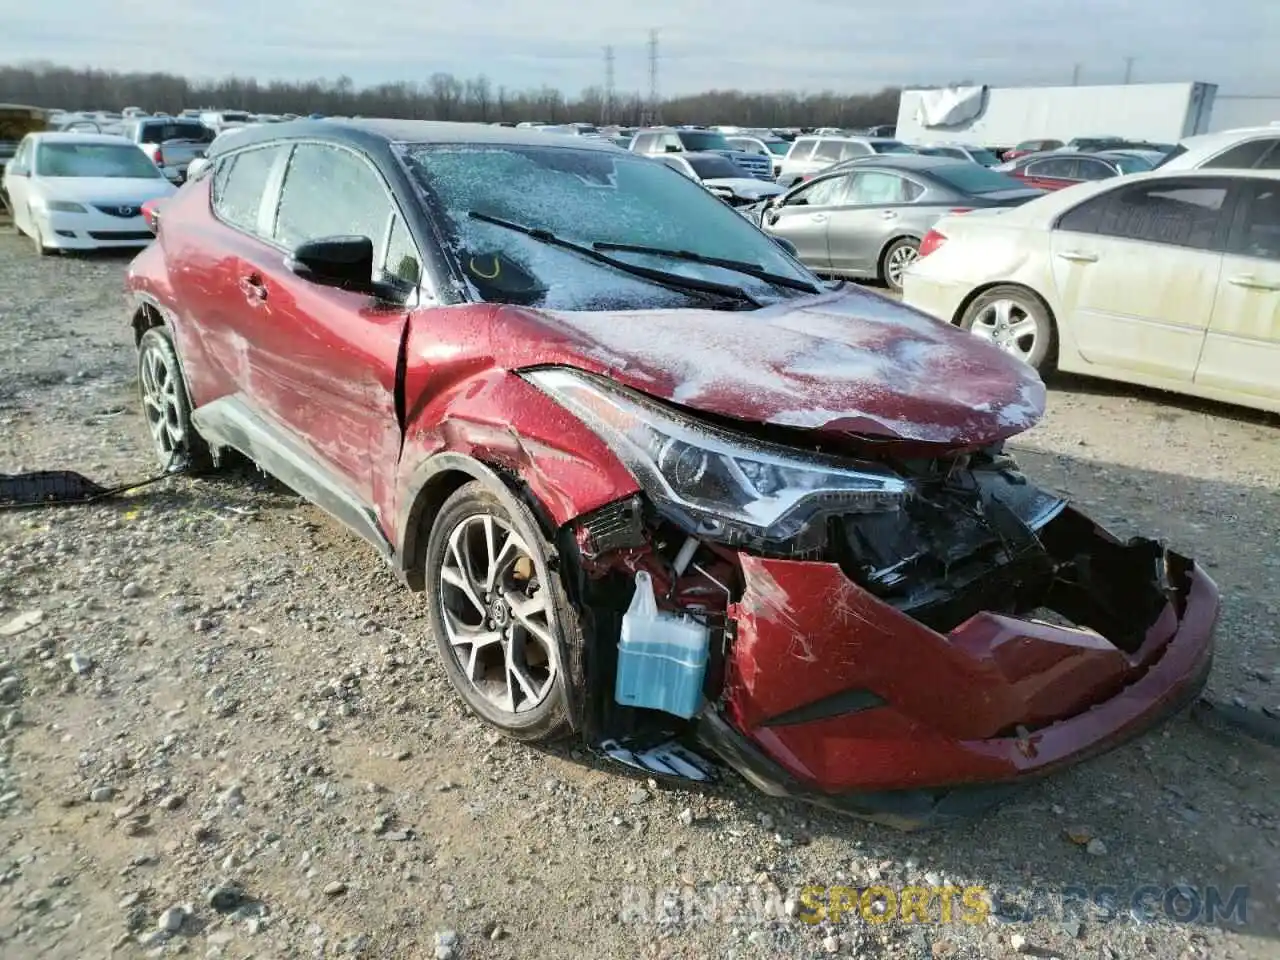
848,362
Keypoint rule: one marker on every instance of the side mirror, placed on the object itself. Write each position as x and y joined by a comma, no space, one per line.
672,148
345,262
787,245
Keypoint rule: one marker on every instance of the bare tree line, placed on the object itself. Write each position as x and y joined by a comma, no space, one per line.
441,96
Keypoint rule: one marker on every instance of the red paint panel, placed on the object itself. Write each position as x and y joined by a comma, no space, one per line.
805,632
460,399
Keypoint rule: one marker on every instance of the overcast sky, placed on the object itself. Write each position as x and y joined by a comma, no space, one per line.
821,44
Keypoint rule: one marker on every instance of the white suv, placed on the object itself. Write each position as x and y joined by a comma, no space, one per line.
810,154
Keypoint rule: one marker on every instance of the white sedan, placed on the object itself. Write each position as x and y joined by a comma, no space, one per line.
82,191
1169,280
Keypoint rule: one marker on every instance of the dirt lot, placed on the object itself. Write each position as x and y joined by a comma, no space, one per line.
228,723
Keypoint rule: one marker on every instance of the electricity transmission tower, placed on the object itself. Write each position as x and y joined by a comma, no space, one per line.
653,109
609,87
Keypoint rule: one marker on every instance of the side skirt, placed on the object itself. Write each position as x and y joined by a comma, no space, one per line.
231,422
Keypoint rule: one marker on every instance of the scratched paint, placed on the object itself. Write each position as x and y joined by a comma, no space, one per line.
846,361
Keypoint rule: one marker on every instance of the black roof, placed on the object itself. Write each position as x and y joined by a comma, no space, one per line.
368,132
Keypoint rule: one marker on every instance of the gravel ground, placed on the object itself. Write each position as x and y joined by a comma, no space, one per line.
226,735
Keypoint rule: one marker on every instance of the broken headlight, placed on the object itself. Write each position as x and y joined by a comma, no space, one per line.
715,483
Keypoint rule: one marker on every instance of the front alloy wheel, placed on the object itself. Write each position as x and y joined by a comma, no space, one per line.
496,612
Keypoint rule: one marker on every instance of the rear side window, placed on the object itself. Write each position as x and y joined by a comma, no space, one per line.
801,150
1259,231
329,192
1186,214
239,183
1247,156
873,188
1062,168
1093,169
1085,218
828,151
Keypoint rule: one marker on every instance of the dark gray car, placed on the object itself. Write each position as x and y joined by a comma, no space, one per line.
865,219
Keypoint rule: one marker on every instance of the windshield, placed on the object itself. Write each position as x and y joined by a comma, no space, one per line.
974,180
94,160
704,140
890,146
586,197
1177,151
983,156
169,132
713,168
1129,163
778,148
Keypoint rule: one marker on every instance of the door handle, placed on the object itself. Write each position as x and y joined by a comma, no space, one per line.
1251,282
818,217
255,289
1079,256
888,214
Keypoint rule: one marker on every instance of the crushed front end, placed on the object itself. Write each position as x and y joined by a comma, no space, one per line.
902,636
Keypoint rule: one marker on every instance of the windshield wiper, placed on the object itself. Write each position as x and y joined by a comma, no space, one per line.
670,280
738,266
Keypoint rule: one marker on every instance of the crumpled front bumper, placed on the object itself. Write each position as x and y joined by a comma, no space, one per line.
834,696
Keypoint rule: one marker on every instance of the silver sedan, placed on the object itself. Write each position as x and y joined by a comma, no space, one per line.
865,219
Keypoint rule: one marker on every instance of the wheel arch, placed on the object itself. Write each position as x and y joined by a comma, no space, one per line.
1050,362
147,314
884,249
432,483
978,291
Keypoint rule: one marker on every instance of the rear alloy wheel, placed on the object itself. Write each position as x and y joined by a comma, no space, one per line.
900,255
166,405
1017,321
497,613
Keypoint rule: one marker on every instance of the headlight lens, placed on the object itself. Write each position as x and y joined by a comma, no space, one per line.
63,206
713,482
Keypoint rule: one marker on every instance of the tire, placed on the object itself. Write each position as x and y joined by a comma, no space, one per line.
501,633
41,249
1011,306
166,405
896,258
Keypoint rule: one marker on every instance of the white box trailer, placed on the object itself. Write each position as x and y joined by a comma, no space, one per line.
1004,116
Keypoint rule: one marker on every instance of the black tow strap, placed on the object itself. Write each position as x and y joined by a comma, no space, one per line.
66,488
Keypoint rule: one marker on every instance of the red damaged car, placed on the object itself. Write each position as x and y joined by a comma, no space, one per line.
661,488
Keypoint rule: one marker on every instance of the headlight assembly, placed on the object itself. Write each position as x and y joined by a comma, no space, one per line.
715,483
63,206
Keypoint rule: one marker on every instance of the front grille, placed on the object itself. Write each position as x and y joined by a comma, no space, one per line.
120,234
758,166
128,210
